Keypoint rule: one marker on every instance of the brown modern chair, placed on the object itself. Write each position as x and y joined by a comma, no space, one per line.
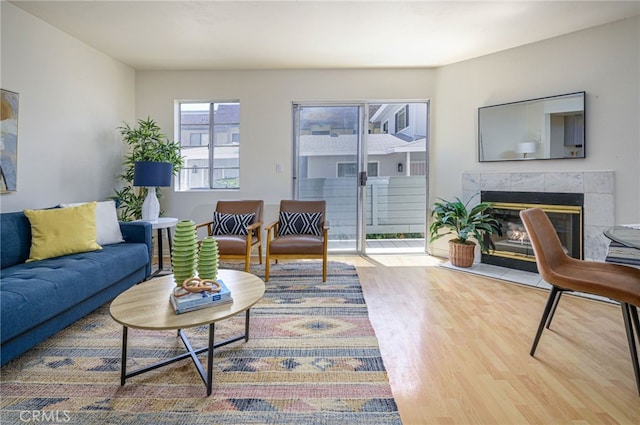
615,281
300,232
237,227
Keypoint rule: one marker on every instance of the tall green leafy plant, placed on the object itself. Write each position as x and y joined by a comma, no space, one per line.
455,217
146,143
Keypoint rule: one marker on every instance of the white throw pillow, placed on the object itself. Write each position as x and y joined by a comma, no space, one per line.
107,226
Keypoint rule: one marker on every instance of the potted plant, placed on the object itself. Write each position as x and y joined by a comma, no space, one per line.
466,223
146,144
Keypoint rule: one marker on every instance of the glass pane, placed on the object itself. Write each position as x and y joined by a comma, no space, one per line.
194,154
328,137
194,124
227,113
226,134
396,187
194,178
226,178
226,157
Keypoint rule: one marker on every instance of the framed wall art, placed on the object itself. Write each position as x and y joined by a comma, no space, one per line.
8,141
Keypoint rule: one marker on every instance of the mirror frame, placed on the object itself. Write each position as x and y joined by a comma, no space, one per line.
552,127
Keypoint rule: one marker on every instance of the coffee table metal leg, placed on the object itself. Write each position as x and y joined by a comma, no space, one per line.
246,326
210,360
207,376
123,363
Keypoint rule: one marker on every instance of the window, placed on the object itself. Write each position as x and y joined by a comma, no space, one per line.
402,118
209,134
348,169
198,139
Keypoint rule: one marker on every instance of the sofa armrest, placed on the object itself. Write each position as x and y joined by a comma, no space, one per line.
138,232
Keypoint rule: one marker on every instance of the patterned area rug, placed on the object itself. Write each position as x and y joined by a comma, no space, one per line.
312,358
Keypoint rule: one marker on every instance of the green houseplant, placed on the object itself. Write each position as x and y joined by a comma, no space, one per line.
455,217
146,143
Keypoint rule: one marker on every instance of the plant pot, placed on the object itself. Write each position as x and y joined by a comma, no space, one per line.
462,254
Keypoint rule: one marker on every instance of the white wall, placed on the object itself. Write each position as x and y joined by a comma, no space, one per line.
72,98
266,119
603,61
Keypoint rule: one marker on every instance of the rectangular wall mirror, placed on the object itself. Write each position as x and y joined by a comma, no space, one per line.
546,128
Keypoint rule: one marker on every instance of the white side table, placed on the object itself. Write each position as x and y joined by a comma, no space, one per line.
163,223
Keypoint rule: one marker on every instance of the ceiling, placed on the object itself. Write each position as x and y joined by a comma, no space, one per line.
208,35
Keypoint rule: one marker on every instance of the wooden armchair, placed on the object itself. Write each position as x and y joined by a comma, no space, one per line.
301,232
237,227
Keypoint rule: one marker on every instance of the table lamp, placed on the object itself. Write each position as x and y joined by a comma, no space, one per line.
526,147
151,175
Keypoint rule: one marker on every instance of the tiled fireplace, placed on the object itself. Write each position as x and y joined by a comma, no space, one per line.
596,188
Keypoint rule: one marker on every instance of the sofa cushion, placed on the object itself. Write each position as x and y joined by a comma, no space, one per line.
62,231
107,226
298,223
15,238
40,290
231,224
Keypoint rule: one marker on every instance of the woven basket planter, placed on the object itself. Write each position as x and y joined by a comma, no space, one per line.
462,254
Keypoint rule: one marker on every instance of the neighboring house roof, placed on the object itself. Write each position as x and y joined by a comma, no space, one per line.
224,114
386,109
345,144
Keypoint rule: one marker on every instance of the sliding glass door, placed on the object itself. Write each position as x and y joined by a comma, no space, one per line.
368,161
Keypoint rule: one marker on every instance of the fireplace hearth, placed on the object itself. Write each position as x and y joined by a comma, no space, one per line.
512,249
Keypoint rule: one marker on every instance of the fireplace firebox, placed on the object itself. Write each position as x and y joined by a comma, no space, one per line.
512,249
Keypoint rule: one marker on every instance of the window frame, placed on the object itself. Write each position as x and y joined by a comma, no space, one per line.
402,118
215,170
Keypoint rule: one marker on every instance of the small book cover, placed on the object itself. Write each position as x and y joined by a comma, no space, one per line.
180,310
201,299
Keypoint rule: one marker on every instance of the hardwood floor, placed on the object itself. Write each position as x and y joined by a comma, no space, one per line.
456,348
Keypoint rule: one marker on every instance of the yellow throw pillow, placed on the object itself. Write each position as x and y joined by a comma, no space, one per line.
62,231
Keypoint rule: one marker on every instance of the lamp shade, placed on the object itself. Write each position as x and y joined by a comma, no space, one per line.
152,174
527,147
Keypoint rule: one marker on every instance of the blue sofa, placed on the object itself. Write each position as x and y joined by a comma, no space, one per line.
40,298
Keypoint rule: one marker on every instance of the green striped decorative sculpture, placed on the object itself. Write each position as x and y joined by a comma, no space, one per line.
184,254
208,259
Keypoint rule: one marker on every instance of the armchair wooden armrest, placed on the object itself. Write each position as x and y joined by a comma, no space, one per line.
254,225
273,225
254,229
270,225
208,225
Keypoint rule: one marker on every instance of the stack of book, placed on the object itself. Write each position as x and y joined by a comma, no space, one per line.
198,300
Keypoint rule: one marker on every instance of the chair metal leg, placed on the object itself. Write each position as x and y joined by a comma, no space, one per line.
630,315
635,320
545,315
556,301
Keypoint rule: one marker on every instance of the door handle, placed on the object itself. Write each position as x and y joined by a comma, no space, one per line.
363,178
